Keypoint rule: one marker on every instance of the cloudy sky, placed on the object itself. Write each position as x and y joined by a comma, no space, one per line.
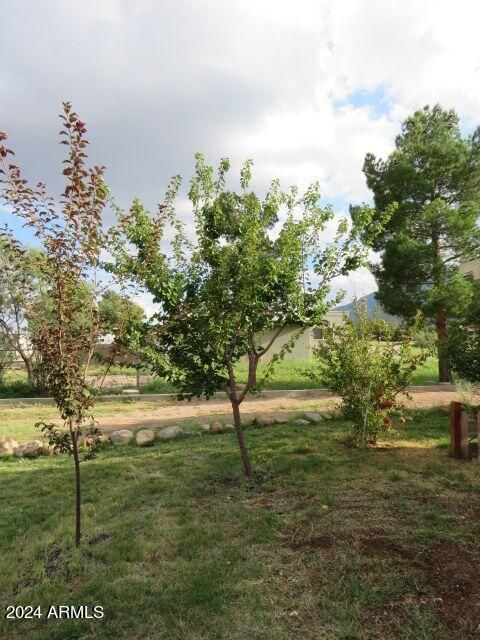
303,88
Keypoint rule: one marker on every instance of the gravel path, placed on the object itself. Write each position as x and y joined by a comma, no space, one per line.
201,411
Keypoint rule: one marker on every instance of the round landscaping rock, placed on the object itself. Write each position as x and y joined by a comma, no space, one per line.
145,437
300,422
217,427
314,417
205,428
31,449
7,446
123,436
267,421
228,427
169,433
47,450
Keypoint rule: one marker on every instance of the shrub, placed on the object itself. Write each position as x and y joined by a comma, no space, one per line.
463,351
368,374
425,337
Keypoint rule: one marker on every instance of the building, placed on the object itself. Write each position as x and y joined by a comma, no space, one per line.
306,342
471,269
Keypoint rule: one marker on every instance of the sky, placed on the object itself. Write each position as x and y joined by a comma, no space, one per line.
305,89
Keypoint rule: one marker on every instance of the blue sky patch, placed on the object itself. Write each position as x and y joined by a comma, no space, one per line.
377,100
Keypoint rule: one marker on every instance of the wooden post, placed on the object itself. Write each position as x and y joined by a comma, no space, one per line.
458,430
463,434
455,411
478,434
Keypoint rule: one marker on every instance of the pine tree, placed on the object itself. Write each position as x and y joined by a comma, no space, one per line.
430,184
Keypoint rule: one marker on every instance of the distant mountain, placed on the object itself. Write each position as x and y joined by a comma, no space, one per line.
373,306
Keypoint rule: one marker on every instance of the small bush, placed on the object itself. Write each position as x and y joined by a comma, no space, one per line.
368,374
463,351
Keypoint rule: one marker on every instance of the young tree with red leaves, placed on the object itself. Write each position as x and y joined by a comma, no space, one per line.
72,240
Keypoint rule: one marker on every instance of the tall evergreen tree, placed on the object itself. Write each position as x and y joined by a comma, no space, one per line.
430,184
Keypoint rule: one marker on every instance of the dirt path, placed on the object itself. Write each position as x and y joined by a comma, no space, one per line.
219,409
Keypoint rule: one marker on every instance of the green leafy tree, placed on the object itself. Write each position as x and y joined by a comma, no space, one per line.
463,342
237,280
431,184
20,283
368,373
72,238
25,302
113,307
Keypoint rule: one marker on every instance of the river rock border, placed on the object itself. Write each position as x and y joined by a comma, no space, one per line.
147,437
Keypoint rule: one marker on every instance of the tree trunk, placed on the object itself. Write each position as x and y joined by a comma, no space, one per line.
74,436
444,374
30,371
247,467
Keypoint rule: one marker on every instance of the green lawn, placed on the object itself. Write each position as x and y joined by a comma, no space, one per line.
326,542
291,374
287,375
18,420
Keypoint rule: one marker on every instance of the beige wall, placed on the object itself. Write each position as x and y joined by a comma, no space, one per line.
471,267
305,344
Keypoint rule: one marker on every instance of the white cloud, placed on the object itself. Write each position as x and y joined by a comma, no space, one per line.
356,285
271,80
145,300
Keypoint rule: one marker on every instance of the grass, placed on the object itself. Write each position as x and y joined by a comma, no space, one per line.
325,542
17,420
288,374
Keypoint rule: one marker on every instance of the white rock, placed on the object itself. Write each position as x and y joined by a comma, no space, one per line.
31,449
205,428
228,427
301,423
5,452
130,392
145,437
123,436
314,417
169,433
7,446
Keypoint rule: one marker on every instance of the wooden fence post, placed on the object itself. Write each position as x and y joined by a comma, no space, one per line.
478,434
463,434
458,430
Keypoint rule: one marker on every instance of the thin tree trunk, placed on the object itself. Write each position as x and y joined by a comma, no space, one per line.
444,374
74,436
441,319
27,360
236,401
30,372
247,467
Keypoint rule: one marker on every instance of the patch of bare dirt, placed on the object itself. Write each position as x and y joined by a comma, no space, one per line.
325,541
450,573
281,407
448,589
383,546
444,579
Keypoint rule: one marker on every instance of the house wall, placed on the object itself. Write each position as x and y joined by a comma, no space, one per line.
301,348
305,344
471,267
